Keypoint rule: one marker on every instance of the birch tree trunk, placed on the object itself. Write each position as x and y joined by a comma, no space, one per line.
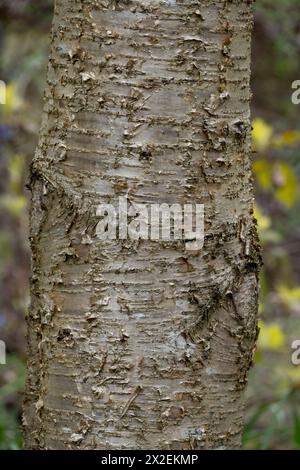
142,344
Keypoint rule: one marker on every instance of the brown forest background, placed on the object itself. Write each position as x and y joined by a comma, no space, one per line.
273,399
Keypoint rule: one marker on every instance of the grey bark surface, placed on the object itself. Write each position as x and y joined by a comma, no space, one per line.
142,344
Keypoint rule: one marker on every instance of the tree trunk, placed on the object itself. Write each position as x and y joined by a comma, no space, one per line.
142,344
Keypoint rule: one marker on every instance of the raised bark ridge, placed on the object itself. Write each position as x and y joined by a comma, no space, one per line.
142,344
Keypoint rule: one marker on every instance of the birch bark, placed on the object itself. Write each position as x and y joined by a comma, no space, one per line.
142,344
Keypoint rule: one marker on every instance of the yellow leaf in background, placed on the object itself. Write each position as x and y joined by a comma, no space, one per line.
271,337
263,222
289,296
261,134
287,138
278,177
258,357
287,184
293,374
14,205
263,172
13,100
16,165
287,377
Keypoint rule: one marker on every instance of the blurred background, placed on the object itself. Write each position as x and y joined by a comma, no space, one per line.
273,397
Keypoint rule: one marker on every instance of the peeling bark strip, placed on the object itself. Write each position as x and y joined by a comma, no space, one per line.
139,344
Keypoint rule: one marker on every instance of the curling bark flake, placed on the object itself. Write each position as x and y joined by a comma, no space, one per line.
142,344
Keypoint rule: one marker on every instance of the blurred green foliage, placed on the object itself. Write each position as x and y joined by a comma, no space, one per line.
10,395
24,39
274,392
